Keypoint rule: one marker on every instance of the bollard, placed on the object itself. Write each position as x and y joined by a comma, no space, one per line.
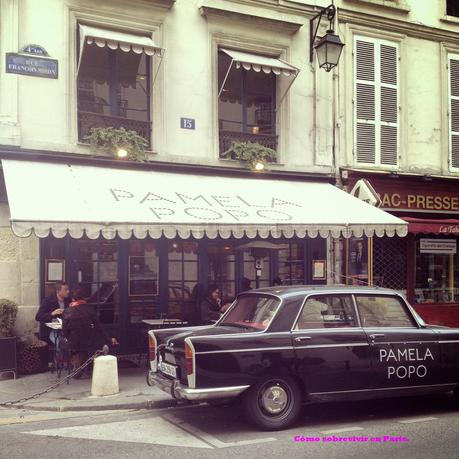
105,376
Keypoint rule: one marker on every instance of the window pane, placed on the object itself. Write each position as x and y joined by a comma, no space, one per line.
383,311
324,311
437,276
230,101
260,96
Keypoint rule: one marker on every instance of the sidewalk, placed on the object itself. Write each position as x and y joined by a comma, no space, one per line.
76,396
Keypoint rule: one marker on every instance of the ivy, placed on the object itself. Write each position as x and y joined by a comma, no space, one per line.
109,140
250,153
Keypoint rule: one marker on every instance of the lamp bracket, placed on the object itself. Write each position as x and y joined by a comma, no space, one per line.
314,24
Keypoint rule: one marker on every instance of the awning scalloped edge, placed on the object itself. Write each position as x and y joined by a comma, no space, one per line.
93,231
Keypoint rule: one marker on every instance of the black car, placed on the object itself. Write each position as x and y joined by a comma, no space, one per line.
278,347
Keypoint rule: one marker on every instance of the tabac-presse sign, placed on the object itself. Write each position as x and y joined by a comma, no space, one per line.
32,61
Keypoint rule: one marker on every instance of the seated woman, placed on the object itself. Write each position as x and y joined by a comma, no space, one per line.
82,329
211,307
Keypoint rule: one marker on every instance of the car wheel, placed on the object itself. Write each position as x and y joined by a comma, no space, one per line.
456,395
273,404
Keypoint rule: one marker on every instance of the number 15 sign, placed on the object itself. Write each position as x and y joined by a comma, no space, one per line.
187,123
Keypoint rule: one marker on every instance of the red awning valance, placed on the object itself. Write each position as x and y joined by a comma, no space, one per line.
424,225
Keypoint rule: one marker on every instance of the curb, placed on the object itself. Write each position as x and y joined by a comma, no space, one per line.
145,404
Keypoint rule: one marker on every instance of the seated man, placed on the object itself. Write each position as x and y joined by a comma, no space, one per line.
52,308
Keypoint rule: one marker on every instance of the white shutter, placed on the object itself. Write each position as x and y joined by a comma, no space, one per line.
376,102
454,111
365,102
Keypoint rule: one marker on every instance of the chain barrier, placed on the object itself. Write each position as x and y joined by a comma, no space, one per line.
102,351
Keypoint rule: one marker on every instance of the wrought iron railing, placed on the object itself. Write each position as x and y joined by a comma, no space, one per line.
226,138
88,120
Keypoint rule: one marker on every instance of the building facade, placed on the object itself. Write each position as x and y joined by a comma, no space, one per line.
398,132
192,77
167,70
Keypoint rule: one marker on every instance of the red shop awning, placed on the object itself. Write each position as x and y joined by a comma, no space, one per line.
424,225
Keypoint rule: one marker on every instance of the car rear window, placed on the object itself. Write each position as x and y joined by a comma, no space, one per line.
252,312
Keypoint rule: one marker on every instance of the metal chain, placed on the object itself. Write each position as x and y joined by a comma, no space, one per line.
59,382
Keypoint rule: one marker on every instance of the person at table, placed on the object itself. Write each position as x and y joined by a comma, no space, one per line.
51,308
212,307
83,331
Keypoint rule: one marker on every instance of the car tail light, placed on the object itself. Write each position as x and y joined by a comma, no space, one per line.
152,344
189,363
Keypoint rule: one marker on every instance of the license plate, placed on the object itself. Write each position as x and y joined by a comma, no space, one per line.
168,369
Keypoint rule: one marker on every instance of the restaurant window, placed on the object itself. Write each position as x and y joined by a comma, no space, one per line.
143,280
96,267
55,268
113,90
437,270
250,271
246,105
221,269
291,264
452,8
183,280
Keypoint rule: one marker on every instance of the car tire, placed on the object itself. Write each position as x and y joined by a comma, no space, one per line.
456,396
273,403
150,381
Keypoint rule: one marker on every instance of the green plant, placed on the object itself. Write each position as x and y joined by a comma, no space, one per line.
8,313
110,140
250,153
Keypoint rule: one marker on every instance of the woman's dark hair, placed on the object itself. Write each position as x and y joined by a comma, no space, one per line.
211,289
277,281
59,284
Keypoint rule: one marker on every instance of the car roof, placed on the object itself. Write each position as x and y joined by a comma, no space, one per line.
284,291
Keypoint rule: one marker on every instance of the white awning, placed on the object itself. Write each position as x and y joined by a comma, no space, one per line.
114,40
54,198
255,62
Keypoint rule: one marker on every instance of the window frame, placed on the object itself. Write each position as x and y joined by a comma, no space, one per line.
415,324
377,42
332,329
113,91
243,93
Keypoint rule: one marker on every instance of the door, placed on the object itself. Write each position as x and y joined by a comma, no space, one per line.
332,351
403,354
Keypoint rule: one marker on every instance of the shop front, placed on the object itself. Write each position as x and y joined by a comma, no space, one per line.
425,265
144,244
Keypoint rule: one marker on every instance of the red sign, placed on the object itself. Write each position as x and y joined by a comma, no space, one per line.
414,194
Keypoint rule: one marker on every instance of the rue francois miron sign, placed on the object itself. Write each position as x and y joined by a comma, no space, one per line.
33,60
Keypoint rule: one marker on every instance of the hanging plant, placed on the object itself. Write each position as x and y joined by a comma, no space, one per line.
118,142
251,153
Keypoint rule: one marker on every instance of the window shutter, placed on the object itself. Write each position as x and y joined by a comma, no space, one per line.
365,102
454,112
389,105
376,102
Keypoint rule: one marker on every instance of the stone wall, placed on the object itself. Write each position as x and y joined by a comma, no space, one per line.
19,273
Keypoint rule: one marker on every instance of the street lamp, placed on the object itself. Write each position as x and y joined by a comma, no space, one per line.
329,47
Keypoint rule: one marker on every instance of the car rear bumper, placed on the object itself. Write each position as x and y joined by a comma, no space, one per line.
181,392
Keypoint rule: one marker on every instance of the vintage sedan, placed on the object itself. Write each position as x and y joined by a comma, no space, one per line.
279,347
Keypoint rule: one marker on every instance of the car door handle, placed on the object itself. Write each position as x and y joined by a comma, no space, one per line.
298,339
376,335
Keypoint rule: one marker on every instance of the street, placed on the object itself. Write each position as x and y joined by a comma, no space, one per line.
418,427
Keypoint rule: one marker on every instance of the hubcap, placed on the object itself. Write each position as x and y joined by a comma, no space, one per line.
274,399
